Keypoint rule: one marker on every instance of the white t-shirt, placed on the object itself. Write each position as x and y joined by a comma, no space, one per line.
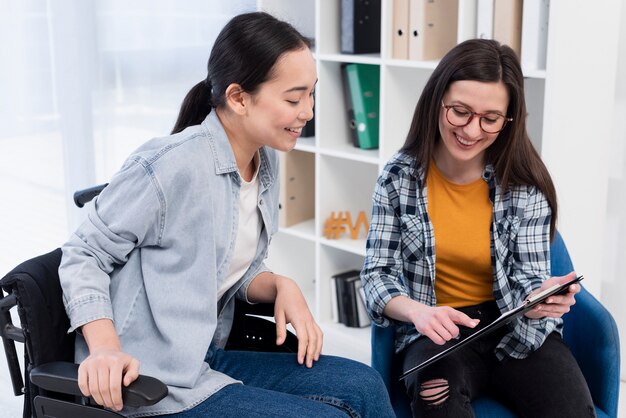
248,230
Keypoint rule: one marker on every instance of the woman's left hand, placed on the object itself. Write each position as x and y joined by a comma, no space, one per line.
556,305
291,307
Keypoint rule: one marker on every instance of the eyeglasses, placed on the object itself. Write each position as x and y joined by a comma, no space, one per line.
491,123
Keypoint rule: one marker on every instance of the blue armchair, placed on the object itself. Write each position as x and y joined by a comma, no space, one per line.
588,321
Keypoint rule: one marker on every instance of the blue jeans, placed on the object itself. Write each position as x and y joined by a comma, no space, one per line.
275,385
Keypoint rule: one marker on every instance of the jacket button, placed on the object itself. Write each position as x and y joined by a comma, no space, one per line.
261,202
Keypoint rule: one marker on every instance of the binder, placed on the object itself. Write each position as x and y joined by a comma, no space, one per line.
507,23
363,102
297,188
363,319
354,308
309,129
360,26
346,309
535,17
400,35
433,26
484,19
350,299
347,95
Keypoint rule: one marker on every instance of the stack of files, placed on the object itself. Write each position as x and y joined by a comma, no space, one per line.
360,26
309,129
361,85
500,20
507,23
400,35
297,188
348,299
424,30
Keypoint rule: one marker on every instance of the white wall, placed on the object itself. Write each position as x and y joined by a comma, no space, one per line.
614,257
580,94
584,141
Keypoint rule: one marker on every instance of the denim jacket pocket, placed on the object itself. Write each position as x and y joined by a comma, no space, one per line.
412,237
128,314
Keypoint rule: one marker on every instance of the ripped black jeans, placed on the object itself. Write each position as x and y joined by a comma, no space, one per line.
548,383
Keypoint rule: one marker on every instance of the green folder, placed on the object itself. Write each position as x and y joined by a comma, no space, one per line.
364,96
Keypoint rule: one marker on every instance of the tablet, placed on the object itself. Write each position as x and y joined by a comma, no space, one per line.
505,318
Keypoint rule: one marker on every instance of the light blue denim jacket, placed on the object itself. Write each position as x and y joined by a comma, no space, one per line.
154,250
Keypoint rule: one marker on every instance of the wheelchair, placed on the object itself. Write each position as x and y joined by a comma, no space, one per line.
50,377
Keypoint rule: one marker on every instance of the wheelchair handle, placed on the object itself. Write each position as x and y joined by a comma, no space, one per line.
86,195
59,376
9,333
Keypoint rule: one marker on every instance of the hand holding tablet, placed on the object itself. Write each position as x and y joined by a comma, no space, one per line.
505,318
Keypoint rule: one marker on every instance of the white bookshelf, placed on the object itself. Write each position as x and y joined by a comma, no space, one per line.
345,175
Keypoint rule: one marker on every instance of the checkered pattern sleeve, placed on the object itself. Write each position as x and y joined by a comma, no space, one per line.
530,266
382,270
531,253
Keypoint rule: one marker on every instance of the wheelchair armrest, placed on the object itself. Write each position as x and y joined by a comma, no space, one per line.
62,377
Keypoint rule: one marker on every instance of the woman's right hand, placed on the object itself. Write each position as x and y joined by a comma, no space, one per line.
439,323
102,374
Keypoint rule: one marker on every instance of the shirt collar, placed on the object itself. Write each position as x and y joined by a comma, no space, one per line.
488,173
223,152
220,145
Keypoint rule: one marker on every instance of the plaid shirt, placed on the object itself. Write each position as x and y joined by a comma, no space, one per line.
400,256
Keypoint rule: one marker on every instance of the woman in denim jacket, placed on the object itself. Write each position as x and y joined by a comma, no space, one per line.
183,228
461,227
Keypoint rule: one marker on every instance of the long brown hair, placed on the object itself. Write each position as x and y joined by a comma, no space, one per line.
513,155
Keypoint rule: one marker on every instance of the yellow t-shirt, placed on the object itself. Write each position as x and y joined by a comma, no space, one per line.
461,218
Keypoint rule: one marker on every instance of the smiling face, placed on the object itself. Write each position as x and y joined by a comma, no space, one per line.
461,152
278,111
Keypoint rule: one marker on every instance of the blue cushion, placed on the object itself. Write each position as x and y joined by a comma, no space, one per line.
486,407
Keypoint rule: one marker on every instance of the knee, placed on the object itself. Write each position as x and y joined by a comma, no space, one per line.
434,392
349,378
373,394
365,379
354,375
361,387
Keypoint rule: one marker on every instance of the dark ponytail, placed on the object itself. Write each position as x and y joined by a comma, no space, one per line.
196,106
244,53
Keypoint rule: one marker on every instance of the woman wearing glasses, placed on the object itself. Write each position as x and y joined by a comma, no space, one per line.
461,227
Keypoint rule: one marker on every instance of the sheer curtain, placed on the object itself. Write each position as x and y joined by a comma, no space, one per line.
82,84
